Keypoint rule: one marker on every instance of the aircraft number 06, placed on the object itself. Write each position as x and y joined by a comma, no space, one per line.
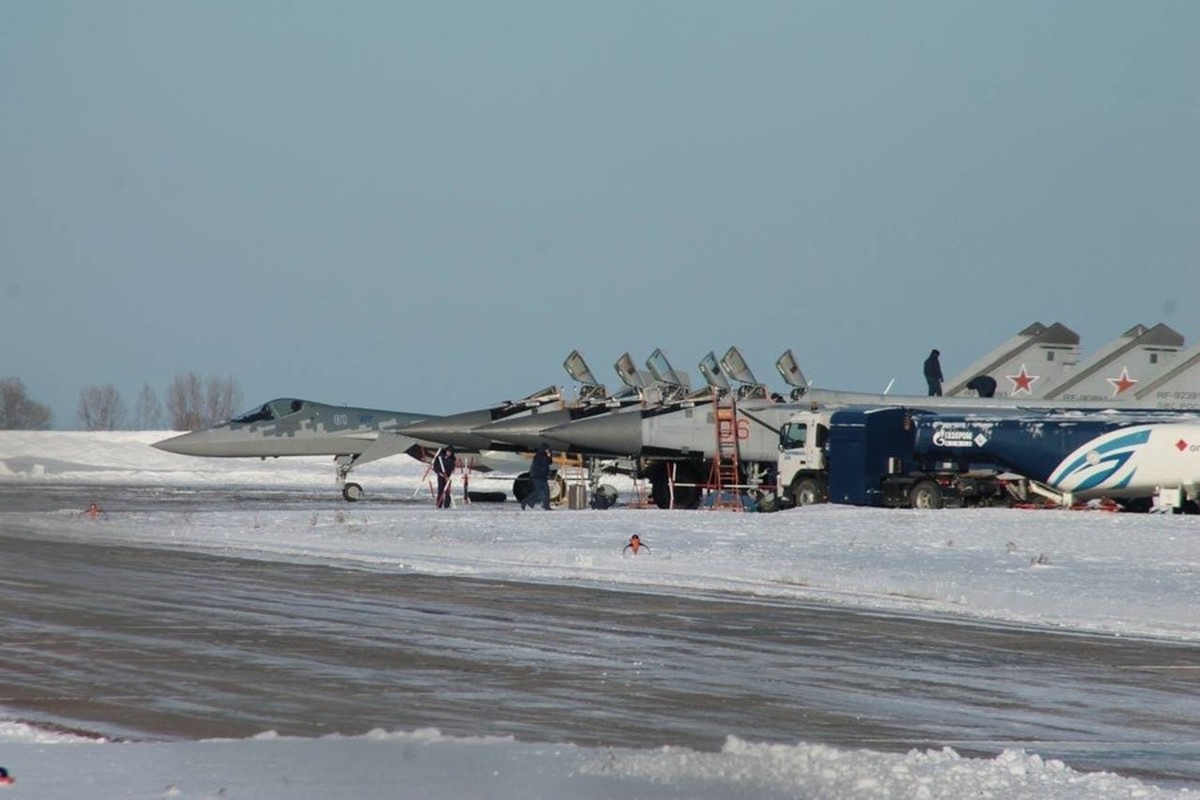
741,428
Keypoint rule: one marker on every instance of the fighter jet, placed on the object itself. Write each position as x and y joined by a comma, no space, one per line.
460,430
671,441
659,384
524,431
294,427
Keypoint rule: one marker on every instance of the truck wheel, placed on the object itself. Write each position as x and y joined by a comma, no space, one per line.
926,494
806,492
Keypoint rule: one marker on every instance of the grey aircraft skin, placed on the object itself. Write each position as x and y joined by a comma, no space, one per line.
295,427
465,429
524,431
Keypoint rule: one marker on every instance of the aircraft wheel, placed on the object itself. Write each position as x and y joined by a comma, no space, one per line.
604,496
925,494
558,490
522,487
352,492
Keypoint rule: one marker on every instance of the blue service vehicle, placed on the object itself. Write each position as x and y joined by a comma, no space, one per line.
929,458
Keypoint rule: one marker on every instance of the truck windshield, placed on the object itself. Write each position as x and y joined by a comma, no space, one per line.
793,435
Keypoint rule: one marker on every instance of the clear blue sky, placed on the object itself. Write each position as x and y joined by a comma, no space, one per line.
427,205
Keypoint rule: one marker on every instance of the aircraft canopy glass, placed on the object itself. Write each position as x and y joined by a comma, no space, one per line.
269,411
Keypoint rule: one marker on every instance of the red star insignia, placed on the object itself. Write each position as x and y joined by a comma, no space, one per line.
1181,445
1022,381
1122,383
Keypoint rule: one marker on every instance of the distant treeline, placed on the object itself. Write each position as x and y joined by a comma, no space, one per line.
191,403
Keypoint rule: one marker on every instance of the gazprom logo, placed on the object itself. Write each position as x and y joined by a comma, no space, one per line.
956,434
1106,462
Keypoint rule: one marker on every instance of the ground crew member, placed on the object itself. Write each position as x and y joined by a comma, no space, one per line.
443,466
539,475
933,373
983,385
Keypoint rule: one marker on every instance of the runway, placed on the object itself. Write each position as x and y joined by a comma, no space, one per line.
157,643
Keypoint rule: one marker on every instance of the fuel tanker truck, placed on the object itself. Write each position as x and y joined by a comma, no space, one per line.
929,458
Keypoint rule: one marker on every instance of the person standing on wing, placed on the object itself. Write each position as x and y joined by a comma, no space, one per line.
933,373
443,466
539,474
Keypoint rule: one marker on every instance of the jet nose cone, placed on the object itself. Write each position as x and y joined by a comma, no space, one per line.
616,434
187,444
524,431
454,430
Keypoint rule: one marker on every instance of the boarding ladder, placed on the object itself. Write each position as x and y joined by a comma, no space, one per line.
724,480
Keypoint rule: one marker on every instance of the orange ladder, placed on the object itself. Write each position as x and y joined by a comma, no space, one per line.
724,479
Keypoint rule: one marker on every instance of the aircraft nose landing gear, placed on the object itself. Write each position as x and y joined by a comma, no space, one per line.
350,491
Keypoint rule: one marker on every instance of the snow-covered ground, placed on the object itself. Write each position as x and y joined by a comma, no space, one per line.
1116,574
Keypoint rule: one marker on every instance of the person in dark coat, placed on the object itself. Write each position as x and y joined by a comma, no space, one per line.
539,474
443,466
983,385
933,373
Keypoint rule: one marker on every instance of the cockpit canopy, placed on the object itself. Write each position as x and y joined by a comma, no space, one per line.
269,411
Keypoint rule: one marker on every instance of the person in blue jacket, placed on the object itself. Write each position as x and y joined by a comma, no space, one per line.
539,474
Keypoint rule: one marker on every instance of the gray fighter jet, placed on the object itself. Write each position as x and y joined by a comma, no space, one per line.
671,441
660,385
523,432
294,427
462,430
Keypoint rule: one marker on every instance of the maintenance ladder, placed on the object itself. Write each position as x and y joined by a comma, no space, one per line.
724,483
